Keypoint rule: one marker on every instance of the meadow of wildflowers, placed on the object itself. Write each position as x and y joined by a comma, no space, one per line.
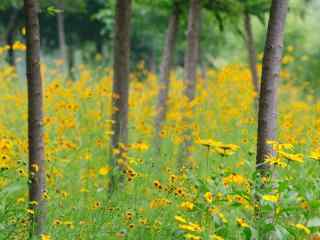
211,197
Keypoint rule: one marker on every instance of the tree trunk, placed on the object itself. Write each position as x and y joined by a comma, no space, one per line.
12,28
35,124
165,68
252,54
191,61
120,83
269,82
62,37
192,53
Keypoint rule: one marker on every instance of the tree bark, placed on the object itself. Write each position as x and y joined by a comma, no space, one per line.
35,122
269,82
120,83
252,54
12,28
165,68
191,60
62,37
192,53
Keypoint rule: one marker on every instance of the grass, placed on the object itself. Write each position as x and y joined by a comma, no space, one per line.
213,198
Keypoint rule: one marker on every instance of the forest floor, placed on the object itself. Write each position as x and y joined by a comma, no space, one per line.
212,198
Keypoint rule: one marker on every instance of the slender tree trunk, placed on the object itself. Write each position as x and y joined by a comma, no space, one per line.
165,68
120,83
62,37
35,115
192,53
252,54
12,28
269,82
191,61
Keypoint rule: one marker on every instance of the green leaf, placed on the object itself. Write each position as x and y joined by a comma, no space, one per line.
283,185
267,228
53,11
247,233
11,189
281,232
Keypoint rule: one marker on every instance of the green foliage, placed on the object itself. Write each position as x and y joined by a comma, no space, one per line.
53,11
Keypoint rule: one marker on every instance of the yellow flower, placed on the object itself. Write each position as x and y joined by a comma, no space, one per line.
140,146
292,157
57,222
276,161
192,237
19,46
271,198
228,147
208,143
216,237
131,225
180,219
128,216
35,167
187,205
22,172
303,228
173,178
191,227
218,147
45,195
242,223
96,205
279,146
179,192
34,203
30,211
159,203
45,237
143,221
236,179
208,197
315,155
104,170
157,184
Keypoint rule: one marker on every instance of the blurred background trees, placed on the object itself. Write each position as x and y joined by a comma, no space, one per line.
81,30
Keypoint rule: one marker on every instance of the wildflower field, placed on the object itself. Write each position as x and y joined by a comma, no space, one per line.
211,197
159,120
